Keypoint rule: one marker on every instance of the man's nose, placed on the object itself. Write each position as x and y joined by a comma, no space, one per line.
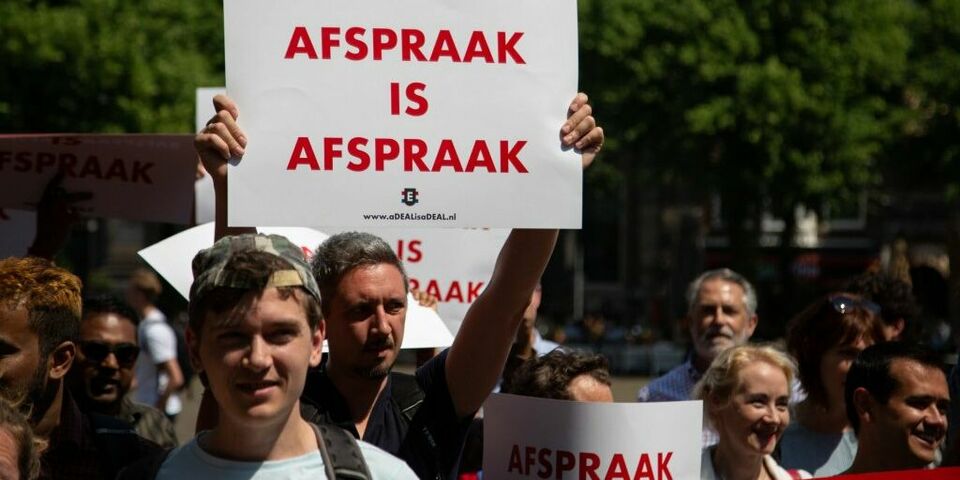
935,418
258,356
716,314
380,320
110,361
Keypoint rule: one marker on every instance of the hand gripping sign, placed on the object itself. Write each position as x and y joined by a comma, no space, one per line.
526,437
414,113
205,204
172,258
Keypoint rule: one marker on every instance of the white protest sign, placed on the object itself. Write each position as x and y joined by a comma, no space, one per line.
203,188
17,229
137,177
415,113
453,265
172,258
526,437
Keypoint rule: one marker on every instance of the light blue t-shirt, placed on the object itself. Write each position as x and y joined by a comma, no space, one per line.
190,461
822,454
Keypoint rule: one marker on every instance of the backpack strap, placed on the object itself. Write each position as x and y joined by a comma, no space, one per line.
407,398
341,454
406,394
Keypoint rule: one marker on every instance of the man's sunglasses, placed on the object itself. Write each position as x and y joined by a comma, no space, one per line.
843,304
126,353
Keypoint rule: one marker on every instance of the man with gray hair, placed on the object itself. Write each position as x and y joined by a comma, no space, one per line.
721,313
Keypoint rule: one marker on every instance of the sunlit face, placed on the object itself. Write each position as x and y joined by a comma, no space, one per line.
719,319
107,380
23,373
913,422
834,366
366,320
585,388
257,363
754,418
9,453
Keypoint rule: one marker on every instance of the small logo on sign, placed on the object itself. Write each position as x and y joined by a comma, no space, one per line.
409,197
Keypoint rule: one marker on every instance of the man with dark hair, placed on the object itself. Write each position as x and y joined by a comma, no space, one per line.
563,375
255,328
897,401
423,420
39,325
106,357
898,307
158,373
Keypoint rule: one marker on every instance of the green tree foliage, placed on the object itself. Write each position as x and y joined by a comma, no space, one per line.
928,152
767,103
106,65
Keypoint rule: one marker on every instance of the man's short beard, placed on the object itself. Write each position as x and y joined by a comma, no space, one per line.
28,397
377,372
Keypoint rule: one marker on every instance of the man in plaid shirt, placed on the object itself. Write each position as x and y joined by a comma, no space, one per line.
721,313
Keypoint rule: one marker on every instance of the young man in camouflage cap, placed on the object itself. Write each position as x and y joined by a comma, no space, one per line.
255,328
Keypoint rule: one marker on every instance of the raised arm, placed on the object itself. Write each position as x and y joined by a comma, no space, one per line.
219,141
479,351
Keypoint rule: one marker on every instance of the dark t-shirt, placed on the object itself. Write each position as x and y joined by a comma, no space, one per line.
88,446
430,443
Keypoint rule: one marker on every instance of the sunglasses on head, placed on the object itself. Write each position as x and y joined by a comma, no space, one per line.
126,353
843,304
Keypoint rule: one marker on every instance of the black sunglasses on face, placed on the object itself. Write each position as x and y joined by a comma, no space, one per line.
843,304
126,353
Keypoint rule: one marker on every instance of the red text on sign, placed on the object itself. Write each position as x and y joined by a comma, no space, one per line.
455,291
413,93
547,463
414,154
411,253
414,45
72,166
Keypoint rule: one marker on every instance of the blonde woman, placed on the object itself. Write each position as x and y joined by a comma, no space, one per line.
745,393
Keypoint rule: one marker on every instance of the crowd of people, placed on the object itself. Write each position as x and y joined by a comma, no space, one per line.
89,385
861,394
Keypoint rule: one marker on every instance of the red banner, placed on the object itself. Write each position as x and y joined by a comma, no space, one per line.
935,474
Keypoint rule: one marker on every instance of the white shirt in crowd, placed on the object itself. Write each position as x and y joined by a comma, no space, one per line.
158,344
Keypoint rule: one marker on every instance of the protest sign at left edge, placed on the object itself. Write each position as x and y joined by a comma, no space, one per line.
136,177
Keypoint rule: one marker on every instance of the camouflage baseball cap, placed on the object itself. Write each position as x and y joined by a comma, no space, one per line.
210,266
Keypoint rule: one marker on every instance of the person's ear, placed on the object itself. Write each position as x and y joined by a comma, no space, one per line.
316,347
752,324
898,326
863,404
60,360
